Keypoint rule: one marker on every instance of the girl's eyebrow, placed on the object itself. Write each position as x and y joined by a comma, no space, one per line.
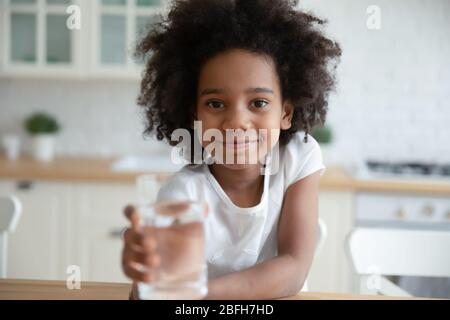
249,90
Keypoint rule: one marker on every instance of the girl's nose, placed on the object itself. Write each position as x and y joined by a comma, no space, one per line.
237,118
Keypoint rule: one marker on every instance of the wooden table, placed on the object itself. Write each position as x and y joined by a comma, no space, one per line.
57,290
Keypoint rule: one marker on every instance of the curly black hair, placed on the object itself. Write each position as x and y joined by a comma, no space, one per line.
193,31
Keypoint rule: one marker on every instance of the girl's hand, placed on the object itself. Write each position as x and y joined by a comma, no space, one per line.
139,255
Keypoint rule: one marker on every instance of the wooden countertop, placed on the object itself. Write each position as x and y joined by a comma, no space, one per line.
56,290
336,178
98,170
67,168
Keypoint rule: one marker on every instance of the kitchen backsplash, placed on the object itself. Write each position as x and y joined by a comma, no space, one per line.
392,101
99,118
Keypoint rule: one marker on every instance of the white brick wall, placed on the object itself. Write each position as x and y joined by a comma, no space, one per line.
392,100
98,118
391,103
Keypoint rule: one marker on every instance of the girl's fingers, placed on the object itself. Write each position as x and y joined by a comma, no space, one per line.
133,272
132,236
139,240
139,255
148,259
132,215
134,255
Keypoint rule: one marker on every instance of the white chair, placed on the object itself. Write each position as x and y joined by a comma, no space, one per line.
322,237
375,253
10,211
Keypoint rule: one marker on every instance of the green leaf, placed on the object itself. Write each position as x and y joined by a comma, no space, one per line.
323,135
41,123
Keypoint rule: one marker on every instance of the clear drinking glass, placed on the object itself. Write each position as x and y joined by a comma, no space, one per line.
178,227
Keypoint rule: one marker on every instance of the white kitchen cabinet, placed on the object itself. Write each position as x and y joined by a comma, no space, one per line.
35,38
117,26
38,38
68,223
39,247
330,271
98,219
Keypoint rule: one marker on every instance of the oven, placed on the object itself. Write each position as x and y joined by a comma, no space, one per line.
403,210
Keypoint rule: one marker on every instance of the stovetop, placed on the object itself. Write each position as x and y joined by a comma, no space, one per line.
405,170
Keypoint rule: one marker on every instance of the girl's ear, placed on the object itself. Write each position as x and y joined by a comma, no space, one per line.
286,116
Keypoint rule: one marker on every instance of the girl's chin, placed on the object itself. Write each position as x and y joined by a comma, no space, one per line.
240,163
239,166
240,158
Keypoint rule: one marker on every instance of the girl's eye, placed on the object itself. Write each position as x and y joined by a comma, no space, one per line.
214,104
260,104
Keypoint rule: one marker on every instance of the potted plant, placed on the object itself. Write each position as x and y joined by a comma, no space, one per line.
324,136
43,129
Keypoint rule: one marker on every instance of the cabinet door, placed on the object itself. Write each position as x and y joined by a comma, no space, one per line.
119,25
58,46
97,210
23,37
38,34
38,248
330,271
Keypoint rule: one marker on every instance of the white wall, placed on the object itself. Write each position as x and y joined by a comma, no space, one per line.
392,100
394,91
99,118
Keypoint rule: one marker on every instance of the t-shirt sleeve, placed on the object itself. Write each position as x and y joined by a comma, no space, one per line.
178,187
302,159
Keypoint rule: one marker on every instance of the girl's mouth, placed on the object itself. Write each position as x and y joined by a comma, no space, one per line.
239,144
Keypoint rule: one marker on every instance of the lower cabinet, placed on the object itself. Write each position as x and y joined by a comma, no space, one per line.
38,249
98,219
67,223
330,271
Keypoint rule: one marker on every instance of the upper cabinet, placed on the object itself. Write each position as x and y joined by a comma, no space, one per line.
119,25
39,37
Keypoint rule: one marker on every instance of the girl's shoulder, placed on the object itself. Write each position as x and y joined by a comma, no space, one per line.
187,173
297,147
299,159
183,184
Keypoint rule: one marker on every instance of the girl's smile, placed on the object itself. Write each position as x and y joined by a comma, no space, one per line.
240,145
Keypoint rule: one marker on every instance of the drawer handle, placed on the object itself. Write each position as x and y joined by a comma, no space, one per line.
117,233
25,185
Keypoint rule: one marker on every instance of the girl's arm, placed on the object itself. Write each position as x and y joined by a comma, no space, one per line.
285,274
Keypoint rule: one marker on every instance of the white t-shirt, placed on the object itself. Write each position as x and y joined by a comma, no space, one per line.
238,238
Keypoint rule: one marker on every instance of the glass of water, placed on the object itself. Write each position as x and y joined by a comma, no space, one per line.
178,227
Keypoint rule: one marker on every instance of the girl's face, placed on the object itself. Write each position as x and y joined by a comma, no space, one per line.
239,89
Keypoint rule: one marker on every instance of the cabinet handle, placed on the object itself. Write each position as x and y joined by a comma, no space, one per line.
401,214
428,210
25,185
117,233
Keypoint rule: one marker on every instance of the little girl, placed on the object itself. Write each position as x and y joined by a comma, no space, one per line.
241,65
